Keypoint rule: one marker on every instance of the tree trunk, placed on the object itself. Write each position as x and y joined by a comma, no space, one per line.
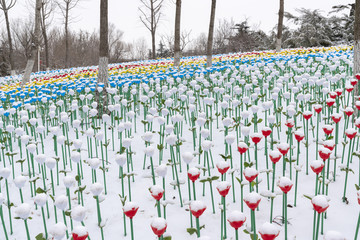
34,45
153,30
177,34
153,53
44,34
67,64
9,39
211,35
280,26
356,68
103,56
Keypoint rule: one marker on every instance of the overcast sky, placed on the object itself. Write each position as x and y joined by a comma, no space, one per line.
195,14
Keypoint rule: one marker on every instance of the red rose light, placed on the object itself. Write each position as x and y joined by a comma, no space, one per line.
80,233
285,184
223,167
339,91
299,136
336,117
290,123
266,131
242,147
333,95
269,231
223,188
197,208
357,105
193,174
354,81
329,144
252,200
256,137
357,76
158,225
357,123
330,102
320,203
324,153
349,111
349,88
157,192
307,115
250,174
283,148
130,209
317,166
275,156
317,108
328,129
236,219
350,133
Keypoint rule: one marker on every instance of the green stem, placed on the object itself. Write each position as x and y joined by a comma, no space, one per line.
27,230
3,223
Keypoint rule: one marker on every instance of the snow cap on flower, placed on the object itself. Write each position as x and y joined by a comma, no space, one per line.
94,163
268,229
20,181
245,131
206,145
61,202
227,121
40,199
23,211
40,158
58,230
271,119
120,159
158,225
75,157
230,139
187,157
5,172
69,181
79,233
78,213
147,136
171,139
161,170
31,148
50,162
149,151
96,188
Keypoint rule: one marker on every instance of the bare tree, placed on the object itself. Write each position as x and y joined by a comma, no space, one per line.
168,40
199,44
5,6
66,6
34,44
280,26
141,49
223,34
47,9
356,68
177,49
22,31
210,35
150,17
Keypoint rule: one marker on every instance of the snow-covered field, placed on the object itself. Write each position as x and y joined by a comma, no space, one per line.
166,124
